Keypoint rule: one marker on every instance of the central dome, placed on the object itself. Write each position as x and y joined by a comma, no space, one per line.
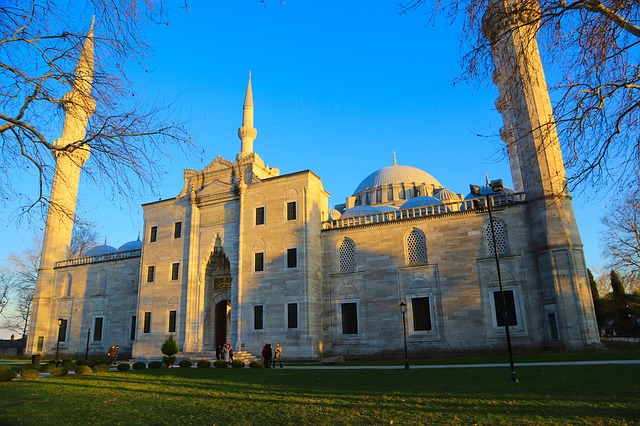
396,174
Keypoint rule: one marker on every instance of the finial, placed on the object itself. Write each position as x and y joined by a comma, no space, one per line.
486,178
395,163
138,235
105,241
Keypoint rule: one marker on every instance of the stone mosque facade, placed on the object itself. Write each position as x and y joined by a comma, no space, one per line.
247,255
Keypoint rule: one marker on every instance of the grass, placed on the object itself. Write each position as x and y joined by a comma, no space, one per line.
582,395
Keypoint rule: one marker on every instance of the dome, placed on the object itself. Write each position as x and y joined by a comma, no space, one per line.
385,209
100,250
421,201
334,214
445,194
359,211
131,245
396,174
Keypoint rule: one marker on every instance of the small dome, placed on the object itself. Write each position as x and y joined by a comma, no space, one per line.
385,209
445,194
131,245
396,174
359,211
100,250
421,201
334,214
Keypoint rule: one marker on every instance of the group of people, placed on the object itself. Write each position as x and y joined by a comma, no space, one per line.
225,352
271,356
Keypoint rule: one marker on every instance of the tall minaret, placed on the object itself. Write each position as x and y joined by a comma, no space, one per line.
70,152
538,169
247,133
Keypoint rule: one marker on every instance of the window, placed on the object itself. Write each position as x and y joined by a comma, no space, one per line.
62,331
154,234
416,248
259,262
379,195
499,309
132,334
260,216
421,313
258,317
172,321
147,323
347,253
175,268
40,343
97,329
177,230
151,273
292,211
501,238
390,194
292,258
349,318
292,315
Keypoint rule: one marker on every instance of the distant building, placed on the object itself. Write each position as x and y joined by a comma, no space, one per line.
246,255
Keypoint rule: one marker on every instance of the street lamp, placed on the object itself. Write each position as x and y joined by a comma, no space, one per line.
496,186
60,320
403,309
86,352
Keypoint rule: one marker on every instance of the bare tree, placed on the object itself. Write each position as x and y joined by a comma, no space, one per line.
40,41
622,236
591,49
6,285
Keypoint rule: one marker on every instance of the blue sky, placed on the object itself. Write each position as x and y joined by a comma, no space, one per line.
338,87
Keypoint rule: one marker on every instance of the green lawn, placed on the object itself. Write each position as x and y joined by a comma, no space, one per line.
586,395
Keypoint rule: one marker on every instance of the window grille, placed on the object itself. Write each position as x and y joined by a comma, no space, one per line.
258,319
347,255
350,318
260,216
147,322
501,238
62,331
154,234
132,335
177,230
511,308
172,321
151,272
175,268
292,315
421,313
292,258
259,262
291,211
416,247
97,329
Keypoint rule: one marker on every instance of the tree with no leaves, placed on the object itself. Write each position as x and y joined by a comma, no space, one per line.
592,54
40,42
622,236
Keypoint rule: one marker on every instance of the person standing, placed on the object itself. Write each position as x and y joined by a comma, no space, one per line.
264,355
277,355
225,352
230,348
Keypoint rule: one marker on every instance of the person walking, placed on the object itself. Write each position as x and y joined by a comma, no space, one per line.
277,355
265,349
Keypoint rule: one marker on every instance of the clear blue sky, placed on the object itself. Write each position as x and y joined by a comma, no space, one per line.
338,87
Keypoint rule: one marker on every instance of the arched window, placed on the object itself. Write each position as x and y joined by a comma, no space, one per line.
416,248
347,255
501,238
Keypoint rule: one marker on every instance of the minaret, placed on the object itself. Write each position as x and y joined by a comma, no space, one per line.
247,133
70,152
538,169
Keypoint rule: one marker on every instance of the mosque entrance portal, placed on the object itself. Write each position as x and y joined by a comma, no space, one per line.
217,307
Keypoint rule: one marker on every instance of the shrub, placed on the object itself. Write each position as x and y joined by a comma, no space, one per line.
83,370
237,363
256,364
80,362
25,367
123,367
7,374
203,363
30,374
168,361
140,365
101,369
59,371
69,365
91,363
221,363
155,364
185,363
48,367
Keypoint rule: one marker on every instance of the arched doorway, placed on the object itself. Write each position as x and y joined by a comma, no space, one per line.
217,294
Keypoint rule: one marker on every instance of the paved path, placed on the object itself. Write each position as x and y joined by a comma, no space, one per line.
523,364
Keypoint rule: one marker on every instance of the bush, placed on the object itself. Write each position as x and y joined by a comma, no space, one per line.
140,365
83,370
30,374
203,363
185,363
155,364
237,363
101,369
221,363
169,348
59,371
25,367
123,367
7,374
48,367
80,362
256,364
91,363
69,365
168,361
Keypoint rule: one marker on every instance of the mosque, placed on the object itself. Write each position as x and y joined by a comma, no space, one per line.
246,255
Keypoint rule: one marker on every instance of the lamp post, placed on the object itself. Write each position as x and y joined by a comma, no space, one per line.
496,186
60,320
86,352
403,309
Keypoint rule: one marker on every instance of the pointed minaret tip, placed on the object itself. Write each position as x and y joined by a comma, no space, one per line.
247,133
395,162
